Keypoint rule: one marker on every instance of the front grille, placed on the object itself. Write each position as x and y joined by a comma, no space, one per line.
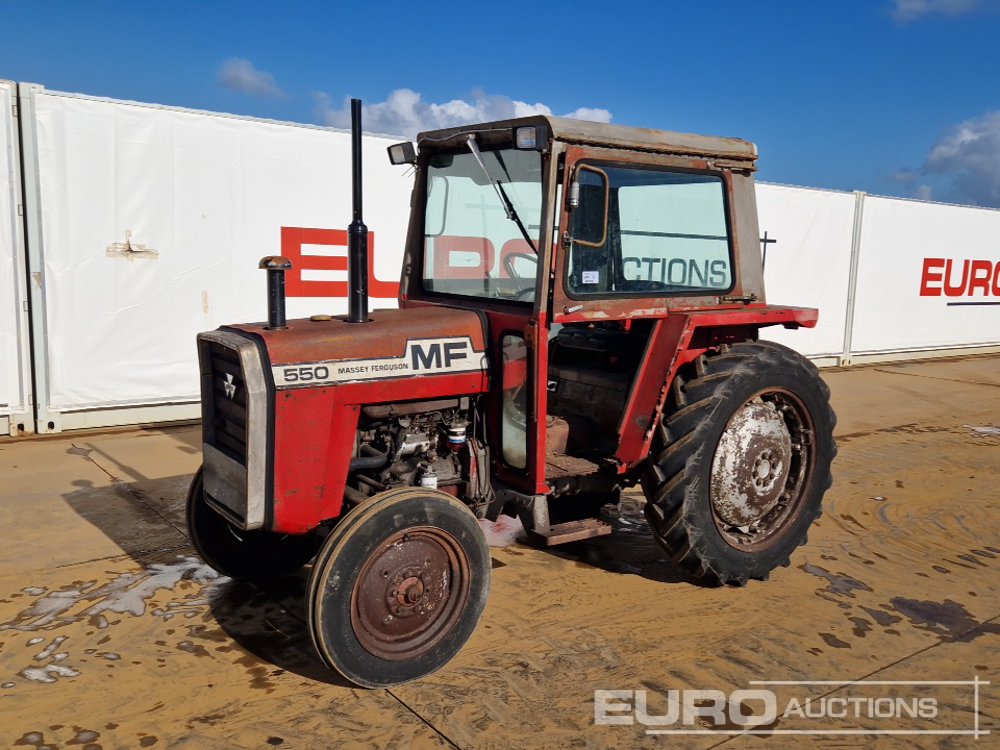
226,396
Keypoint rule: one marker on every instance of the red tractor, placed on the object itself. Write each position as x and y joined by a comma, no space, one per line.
579,313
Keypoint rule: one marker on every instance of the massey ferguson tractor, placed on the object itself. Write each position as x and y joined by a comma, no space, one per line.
579,313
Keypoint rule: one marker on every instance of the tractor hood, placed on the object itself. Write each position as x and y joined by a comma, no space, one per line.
395,344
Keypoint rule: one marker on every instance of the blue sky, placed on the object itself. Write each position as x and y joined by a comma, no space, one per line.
897,97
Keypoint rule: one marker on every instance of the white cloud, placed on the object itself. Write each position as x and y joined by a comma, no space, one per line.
968,157
905,11
239,74
590,113
405,113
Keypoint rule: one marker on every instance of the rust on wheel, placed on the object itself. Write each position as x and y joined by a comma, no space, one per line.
410,593
398,587
760,469
744,457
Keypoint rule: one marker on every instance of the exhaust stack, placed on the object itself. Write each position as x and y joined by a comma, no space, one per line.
275,265
357,232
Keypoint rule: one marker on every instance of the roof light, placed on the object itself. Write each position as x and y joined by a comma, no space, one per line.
532,137
526,138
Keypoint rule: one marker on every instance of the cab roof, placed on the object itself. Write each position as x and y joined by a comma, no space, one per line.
588,133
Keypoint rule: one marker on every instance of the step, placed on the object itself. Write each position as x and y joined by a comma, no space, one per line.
574,531
560,465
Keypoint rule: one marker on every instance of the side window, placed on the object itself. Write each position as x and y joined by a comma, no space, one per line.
514,424
666,234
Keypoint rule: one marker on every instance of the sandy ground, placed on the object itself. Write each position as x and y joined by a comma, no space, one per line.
113,635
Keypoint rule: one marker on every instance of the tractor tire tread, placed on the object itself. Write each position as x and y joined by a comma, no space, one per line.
671,488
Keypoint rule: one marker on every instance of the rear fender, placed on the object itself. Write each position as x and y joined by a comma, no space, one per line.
680,338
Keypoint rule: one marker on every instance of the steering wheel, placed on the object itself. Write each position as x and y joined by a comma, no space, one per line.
527,294
508,263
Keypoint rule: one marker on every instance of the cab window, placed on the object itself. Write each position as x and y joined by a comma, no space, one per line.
645,231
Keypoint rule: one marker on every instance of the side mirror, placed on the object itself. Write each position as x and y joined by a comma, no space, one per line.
402,153
589,197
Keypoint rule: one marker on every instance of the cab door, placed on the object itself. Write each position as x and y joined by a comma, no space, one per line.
644,234
521,357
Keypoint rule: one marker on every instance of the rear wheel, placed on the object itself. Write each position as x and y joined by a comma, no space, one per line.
741,462
244,555
398,587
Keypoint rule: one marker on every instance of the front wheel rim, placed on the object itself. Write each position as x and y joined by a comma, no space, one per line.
410,593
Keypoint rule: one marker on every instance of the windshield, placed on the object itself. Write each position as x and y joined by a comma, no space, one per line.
473,245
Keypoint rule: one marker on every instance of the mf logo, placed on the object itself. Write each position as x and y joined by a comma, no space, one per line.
437,355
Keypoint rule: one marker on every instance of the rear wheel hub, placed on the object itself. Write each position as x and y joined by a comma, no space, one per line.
751,464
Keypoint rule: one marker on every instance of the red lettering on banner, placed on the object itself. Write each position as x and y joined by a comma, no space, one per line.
950,289
458,257
292,240
479,250
941,275
980,278
926,290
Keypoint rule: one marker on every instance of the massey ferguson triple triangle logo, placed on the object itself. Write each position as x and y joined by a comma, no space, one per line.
229,386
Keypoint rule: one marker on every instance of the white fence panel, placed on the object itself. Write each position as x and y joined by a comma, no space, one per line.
145,225
928,277
152,223
809,264
14,374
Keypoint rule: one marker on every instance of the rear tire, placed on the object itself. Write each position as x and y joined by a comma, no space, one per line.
243,555
741,461
398,587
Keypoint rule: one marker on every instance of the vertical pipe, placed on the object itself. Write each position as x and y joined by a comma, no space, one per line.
276,299
275,265
357,232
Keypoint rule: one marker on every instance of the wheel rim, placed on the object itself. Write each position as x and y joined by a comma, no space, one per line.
761,469
410,593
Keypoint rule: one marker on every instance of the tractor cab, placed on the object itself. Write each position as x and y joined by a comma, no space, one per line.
579,243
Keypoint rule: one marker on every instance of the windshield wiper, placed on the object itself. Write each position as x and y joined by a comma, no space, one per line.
508,206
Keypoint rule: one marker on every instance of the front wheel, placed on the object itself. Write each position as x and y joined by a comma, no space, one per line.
398,587
243,555
741,462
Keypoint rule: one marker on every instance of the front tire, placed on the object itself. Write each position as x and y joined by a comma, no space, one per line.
243,555
738,470
398,587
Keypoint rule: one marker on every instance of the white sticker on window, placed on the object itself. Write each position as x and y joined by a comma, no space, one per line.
591,277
